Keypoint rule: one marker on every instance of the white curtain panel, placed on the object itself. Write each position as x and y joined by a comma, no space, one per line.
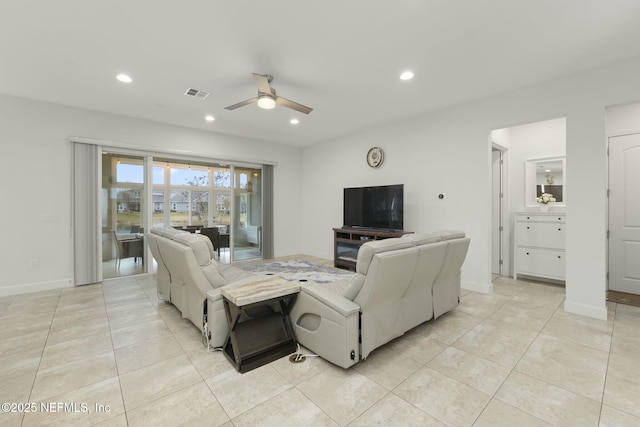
86,214
267,211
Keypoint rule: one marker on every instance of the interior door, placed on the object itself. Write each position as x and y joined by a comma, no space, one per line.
624,213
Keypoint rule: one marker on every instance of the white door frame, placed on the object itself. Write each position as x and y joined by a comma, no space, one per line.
505,253
610,206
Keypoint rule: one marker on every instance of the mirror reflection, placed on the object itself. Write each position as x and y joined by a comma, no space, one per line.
545,176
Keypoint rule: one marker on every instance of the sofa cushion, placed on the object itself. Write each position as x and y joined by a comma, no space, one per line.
167,232
209,244
353,287
338,287
234,274
369,249
198,244
212,274
418,239
452,234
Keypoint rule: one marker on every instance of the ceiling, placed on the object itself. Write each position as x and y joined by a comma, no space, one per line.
342,58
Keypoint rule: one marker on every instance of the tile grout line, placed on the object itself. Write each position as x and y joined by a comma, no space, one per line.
44,346
513,369
124,405
606,373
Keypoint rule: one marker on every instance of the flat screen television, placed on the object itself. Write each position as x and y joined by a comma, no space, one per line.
378,207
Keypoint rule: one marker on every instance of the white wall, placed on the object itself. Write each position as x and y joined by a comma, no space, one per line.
35,177
422,155
449,152
623,119
532,141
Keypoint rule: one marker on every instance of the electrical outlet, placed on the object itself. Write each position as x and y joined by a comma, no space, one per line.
32,263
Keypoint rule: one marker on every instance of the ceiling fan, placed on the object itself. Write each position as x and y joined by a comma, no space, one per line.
267,97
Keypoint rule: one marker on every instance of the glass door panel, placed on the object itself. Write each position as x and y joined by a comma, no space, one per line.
199,208
122,210
247,213
221,212
157,214
179,209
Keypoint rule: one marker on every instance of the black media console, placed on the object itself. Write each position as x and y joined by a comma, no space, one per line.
347,242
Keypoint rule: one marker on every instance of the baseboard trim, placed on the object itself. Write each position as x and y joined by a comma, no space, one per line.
27,288
477,287
586,310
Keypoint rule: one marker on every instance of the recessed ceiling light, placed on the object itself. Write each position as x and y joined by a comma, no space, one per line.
124,78
407,75
294,121
209,118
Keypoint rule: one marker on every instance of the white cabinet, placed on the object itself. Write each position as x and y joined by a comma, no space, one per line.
539,245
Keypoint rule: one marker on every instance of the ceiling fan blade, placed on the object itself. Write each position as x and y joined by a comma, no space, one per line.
241,104
263,83
293,105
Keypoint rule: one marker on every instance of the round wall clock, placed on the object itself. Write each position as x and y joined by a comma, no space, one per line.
375,156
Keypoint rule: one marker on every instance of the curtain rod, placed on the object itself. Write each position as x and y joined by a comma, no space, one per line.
182,154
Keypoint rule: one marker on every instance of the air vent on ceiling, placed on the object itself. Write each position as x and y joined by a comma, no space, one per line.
201,94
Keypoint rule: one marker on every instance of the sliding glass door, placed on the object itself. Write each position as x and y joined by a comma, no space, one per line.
199,197
247,213
123,204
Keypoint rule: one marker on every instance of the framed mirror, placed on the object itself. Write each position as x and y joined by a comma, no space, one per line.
545,175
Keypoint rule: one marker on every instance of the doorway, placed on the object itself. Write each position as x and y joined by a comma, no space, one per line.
516,146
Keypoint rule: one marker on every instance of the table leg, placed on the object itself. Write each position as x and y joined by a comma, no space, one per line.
231,339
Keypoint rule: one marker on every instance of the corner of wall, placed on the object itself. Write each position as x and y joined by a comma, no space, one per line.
477,287
586,310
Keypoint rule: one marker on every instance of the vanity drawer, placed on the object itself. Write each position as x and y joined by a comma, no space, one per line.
541,262
541,234
536,217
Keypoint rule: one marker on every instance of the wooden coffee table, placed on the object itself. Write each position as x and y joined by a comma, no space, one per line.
258,341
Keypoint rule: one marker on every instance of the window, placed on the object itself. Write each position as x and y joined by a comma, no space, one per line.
129,170
189,190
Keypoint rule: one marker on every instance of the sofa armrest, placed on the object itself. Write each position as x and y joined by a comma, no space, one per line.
327,324
335,302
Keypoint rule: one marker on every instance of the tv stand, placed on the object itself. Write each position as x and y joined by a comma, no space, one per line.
347,242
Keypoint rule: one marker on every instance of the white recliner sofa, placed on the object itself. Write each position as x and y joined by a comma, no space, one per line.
189,277
399,284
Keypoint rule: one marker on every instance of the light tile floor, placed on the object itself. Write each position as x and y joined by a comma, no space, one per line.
124,358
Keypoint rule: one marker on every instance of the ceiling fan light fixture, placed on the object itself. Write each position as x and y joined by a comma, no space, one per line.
407,75
266,102
124,78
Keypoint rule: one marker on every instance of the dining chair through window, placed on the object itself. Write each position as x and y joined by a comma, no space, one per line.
218,240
